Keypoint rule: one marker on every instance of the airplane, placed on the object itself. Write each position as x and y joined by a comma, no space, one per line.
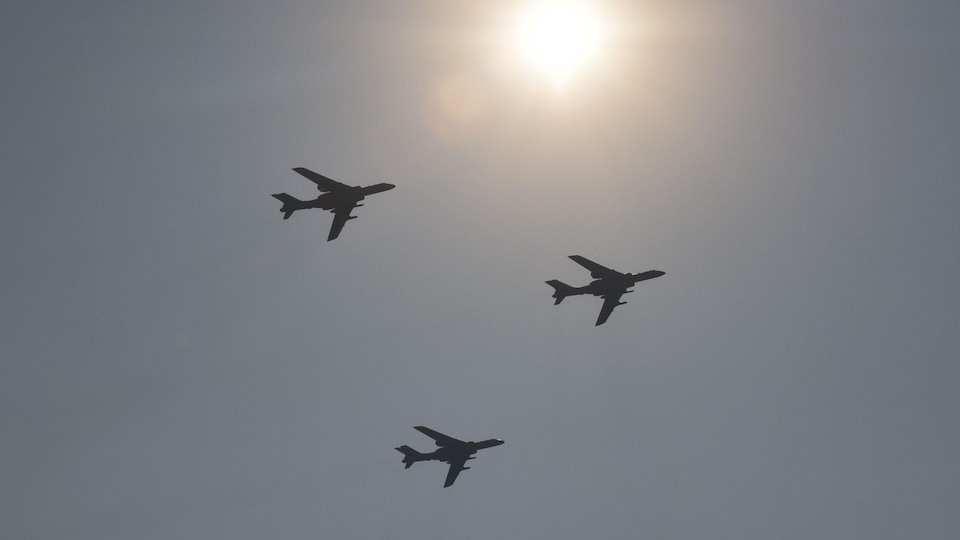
608,284
339,198
452,451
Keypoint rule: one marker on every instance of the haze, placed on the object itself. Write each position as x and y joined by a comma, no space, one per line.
180,362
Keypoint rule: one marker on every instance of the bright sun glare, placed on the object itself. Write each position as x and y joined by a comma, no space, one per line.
559,37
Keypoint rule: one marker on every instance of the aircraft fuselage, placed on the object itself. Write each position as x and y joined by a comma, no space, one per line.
608,285
338,199
454,453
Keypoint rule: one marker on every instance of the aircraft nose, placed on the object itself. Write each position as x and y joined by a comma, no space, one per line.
389,186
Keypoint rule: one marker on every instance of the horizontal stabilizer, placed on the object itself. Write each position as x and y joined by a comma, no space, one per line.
560,290
410,456
290,204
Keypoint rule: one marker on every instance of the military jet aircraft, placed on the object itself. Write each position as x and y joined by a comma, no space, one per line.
339,198
608,284
452,451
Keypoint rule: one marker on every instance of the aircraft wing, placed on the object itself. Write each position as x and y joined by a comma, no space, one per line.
323,183
610,301
596,270
340,217
440,438
455,467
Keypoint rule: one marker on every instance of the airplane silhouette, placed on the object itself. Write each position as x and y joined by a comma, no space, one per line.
339,198
608,284
452,451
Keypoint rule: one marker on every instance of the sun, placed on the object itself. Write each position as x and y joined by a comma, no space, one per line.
558,37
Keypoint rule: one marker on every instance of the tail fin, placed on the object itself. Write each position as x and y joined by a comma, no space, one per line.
290,204
410,456
560,290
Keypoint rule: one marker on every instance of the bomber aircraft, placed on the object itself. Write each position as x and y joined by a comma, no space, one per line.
339,198
607,284
452,451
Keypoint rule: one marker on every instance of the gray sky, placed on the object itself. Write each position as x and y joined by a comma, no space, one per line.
179,362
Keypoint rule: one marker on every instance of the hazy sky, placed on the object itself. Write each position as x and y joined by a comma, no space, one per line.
178,362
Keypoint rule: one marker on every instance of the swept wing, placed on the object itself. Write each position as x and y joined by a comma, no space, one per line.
340,217
440,438
596,270
323,183
610,301
455,467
